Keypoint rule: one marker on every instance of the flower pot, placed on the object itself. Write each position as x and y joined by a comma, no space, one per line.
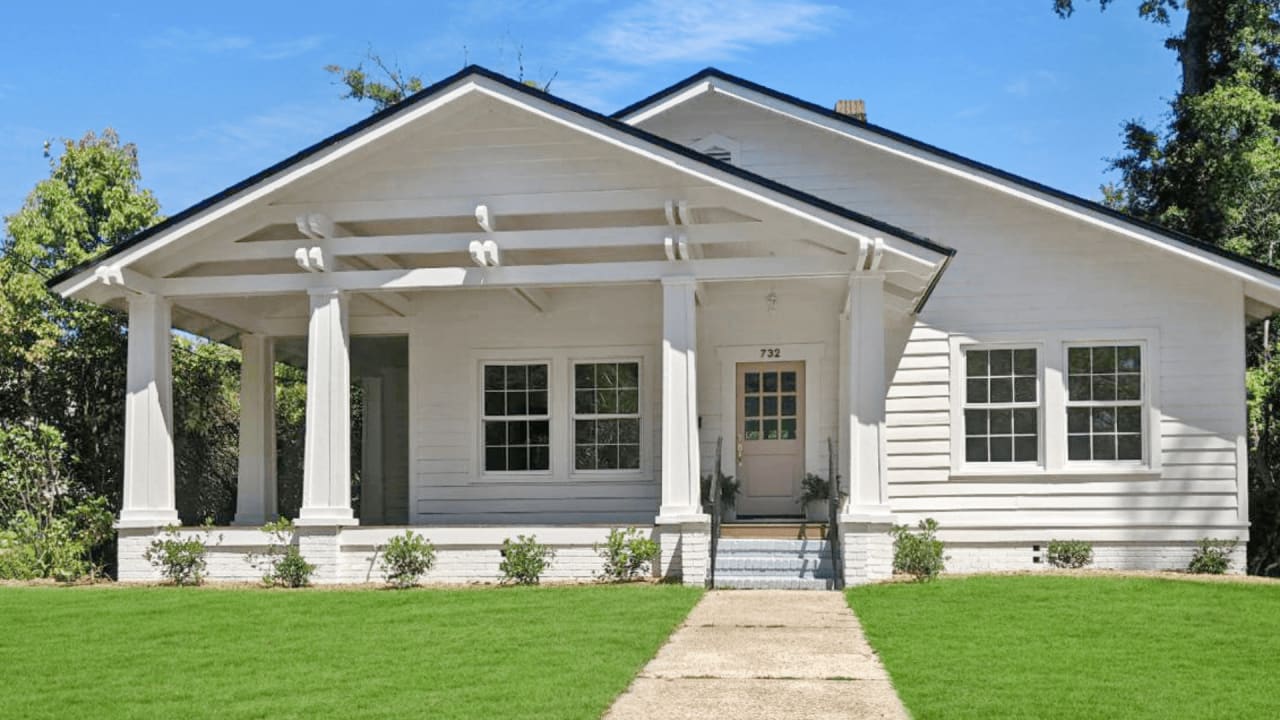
816,511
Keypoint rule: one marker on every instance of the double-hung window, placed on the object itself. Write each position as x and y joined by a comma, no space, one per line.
517,418
606,415
1105,402
1001,405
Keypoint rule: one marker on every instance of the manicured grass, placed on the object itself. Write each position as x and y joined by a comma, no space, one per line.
1077,647
111,652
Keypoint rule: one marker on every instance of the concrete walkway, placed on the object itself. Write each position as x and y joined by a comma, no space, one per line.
767,654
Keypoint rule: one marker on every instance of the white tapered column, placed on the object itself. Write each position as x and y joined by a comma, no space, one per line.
148,498
866,389
683,530
680,452
867,520
256,485
326,472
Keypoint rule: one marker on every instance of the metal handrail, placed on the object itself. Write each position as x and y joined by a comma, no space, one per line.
714,540
833,517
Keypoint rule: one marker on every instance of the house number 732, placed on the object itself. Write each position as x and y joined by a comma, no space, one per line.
770,352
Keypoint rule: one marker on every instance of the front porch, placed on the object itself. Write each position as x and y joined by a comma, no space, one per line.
553,319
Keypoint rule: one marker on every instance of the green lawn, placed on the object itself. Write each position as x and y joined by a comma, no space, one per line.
1078,647
111,652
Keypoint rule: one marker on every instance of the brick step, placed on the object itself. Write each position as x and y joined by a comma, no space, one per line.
774,530
757,582
774,565
732,546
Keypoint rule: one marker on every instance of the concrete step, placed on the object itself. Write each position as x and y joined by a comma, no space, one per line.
758,582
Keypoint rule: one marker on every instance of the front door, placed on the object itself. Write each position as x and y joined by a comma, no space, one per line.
770,438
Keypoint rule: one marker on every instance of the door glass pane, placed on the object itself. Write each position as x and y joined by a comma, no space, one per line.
788,382
752,430
770,382
770,429
770,405
788,430
788,404
751,406
751,382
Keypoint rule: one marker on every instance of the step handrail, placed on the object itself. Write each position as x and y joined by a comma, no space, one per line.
713,542
834,495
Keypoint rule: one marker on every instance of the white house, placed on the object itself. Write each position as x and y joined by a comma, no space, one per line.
557,315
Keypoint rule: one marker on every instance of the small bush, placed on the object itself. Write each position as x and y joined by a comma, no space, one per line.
627,555
1212,557
293,570
1071,554
180,560
524,560
406,558
283,564
918,554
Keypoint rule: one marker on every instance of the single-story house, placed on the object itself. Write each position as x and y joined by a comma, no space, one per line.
562,320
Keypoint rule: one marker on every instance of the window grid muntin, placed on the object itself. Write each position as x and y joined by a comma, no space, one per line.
516,410
770,404
606,415
1126,414
1018,443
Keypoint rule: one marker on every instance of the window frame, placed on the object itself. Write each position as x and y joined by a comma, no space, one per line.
960,403
573,361
1143,404
1053,415
484,417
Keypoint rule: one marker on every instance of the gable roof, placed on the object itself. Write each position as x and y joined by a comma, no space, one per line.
1111,214
470,71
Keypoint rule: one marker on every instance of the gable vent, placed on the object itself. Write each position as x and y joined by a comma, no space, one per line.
719,153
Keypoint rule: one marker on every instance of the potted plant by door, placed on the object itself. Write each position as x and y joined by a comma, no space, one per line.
729,489
815,491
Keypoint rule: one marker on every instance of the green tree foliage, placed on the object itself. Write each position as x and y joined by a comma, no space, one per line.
1213,171
384,85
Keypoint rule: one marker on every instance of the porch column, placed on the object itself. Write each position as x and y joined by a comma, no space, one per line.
148,498
683,529
867,520
256,486
326,467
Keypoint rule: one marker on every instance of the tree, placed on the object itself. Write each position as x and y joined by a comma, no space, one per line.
62,363
1213,171
387,84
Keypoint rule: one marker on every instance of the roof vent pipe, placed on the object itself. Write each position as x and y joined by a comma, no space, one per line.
856,109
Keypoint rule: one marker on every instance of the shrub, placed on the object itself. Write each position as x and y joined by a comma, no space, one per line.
292,570
524,561
46,529
627,555
406,558
918,554
1072,554
1212,556
283,563
729,490
180,559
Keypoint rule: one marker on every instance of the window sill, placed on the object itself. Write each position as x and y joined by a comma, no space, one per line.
1075,473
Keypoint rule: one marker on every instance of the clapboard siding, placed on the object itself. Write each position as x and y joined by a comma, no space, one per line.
1023,268
454,331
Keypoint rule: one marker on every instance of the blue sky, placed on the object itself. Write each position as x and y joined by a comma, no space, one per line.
213,92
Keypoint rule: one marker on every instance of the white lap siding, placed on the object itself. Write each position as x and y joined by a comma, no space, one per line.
1025,269
454,333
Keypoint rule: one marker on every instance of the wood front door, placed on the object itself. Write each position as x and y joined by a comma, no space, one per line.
770,438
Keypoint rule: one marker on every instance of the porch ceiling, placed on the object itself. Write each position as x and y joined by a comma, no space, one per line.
490,186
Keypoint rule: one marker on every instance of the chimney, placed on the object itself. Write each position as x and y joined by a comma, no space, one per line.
856,109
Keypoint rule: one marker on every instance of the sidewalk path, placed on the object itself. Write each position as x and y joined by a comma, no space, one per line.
775,654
